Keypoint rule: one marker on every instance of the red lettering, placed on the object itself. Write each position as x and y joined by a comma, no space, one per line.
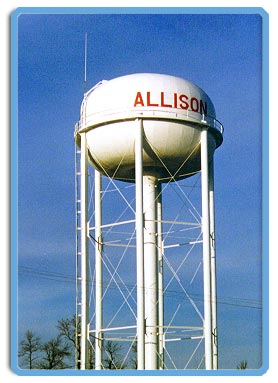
183,99
138,100
175,100
203,107
149,100
195,107
163,103
179,101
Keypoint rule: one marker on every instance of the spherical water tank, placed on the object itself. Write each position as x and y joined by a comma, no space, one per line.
173,111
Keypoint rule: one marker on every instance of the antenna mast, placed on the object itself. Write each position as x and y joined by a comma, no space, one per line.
85,63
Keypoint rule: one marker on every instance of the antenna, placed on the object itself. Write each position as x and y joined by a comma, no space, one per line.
85,63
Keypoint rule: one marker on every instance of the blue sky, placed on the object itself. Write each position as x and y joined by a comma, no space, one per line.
222,53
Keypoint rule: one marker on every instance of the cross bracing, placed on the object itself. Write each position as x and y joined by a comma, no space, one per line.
181,334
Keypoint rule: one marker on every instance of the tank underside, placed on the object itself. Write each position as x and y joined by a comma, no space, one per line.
171,149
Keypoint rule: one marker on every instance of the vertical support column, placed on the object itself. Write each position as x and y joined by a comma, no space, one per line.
140,245
213,268
98,268
150,271
77,259
206,249
160,278
84,253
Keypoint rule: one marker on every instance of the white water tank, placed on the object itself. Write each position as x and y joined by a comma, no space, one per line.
173,111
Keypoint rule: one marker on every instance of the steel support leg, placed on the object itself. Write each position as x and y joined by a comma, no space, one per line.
213,268
98,268
84,254
160,278
206,249
139,245
151,271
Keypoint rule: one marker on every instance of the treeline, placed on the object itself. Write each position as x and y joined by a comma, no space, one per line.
63,351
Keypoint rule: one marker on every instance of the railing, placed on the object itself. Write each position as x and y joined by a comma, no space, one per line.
111,115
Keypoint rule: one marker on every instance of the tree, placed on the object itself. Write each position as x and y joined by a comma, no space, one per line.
113,359
29,348
55,351
134,356
68,329
242,365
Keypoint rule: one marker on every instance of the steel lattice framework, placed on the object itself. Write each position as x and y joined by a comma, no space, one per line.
119,225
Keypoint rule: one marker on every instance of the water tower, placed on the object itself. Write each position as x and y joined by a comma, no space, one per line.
147,130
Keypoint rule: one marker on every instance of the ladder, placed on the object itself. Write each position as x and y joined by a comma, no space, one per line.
77,256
